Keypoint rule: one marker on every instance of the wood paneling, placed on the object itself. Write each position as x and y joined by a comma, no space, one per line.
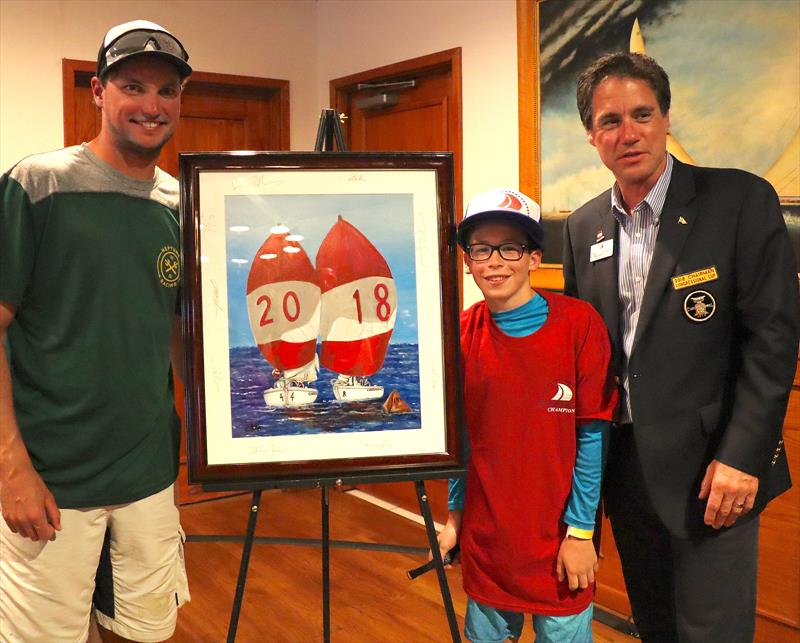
779,543
548,276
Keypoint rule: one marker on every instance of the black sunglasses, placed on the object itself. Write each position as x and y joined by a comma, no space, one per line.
141,41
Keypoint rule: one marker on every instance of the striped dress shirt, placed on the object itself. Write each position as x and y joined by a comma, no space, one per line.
637,240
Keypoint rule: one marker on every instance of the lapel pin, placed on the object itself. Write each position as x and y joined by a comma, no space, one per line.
599,236
681,220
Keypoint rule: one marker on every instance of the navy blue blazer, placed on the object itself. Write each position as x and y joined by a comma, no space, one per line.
715,348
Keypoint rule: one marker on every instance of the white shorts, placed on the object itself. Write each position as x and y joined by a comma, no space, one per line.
47,588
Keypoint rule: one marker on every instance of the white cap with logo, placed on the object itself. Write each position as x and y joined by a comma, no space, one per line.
506,205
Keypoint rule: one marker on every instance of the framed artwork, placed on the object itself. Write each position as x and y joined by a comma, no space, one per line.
734,68
320,302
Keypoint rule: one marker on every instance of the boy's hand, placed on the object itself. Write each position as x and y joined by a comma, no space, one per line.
447,538
577,560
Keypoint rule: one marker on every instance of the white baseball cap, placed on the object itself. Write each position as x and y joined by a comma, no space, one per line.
141,37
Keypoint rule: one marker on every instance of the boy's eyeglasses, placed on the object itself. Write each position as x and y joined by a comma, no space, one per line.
508,251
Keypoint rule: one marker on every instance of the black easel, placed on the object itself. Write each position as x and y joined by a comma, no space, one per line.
328,131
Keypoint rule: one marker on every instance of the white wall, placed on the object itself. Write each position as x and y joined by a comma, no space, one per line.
307,42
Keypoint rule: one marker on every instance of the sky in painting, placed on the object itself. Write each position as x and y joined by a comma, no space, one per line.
734,67
385,219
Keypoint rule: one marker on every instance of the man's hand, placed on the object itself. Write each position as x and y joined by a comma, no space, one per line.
29,508
577,561
730,492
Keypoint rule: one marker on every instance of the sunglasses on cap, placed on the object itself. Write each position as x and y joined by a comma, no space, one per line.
144,41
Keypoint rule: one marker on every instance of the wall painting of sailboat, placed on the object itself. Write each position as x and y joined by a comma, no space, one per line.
329,319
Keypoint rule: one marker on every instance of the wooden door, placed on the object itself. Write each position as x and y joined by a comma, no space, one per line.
218,112
386,112
422,118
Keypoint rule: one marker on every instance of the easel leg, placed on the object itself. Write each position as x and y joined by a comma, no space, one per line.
248,546
326,578
425,509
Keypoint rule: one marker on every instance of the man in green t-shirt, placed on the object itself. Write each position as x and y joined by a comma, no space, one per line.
89,437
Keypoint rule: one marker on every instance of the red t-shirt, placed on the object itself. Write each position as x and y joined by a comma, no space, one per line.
523,396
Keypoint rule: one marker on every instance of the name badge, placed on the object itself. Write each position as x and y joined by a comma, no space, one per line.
694,278
601,250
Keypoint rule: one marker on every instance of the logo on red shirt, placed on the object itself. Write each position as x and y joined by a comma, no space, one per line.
563,394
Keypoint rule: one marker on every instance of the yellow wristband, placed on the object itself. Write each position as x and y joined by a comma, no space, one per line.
583,534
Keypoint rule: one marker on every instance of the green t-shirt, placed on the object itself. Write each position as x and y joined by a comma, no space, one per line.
89,257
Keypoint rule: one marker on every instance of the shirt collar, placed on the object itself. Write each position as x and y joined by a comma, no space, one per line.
655,197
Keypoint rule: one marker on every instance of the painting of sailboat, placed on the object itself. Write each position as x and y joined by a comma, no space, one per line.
330,333
283,306
359,308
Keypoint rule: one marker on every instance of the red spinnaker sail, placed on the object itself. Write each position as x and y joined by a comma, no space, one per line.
359,302
283,303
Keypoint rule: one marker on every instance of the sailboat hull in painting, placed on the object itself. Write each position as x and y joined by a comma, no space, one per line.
283,306
288,393
358,311
348,388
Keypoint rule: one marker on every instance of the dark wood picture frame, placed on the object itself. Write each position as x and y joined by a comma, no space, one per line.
548,275
432,219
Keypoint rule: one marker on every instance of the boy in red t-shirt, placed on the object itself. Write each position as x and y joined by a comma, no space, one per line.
539,398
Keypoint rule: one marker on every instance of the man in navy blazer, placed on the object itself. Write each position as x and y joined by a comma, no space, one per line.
693,272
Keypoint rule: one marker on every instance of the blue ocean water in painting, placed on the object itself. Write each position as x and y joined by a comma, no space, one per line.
251,417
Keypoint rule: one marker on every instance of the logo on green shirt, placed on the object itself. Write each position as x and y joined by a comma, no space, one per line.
169,266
